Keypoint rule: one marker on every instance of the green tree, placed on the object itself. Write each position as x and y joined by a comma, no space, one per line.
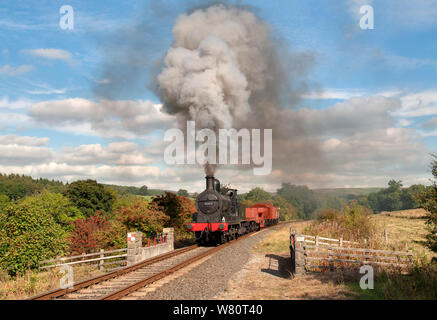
28,235
302,198
183,192
286,210
177,208
4,202
428,201
59,206
144,191
89,197
258,195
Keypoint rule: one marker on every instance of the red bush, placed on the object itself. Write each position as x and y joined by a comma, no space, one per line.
87,234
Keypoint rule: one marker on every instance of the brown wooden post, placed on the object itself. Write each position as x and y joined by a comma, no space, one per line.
317,242
386,236
102,255
331,263
341,241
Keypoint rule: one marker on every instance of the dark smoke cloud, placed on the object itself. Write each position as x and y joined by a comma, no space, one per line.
240,74
227,69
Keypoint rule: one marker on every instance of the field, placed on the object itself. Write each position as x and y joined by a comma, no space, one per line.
345,192
405,227
268,272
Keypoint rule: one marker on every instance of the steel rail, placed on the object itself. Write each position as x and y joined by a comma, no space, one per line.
142,283
134,287
86,283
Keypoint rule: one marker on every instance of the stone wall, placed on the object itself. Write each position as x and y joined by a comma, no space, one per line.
136,253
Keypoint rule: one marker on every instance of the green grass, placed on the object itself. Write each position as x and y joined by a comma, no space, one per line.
420,284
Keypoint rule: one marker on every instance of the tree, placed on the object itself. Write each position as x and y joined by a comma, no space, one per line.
29,234
257,195
4,202
428,201
286,210
176,208
302,198
144,191
183,192
58,206
89,197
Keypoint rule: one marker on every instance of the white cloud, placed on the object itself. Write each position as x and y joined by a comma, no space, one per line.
357,142
48,92
124,119
15,71
51,54
17,104
13,139
418,104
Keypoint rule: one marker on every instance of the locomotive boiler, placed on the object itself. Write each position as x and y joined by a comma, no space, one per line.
220,217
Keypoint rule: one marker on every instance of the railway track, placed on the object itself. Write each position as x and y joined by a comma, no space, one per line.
118,284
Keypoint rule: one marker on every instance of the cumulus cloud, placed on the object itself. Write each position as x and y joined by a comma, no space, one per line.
23,140
117,153
17,104
358,140
51,54
125,119
24,150
418,104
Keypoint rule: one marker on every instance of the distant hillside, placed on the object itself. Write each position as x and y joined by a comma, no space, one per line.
346,193
135,190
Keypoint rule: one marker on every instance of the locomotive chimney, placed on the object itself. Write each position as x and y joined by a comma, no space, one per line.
210,183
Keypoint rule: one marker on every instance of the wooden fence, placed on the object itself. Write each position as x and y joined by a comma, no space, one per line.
103,259
310,253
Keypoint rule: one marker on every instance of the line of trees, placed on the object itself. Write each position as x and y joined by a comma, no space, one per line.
37,223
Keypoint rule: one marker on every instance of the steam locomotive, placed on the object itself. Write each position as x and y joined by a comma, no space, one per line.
220,217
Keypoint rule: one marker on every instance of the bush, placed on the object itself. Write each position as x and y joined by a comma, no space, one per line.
88,234
142,216
28,235
352,223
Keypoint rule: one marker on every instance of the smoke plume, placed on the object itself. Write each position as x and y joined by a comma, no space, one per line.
226,69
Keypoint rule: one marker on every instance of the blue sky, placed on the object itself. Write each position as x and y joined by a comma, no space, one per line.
41,65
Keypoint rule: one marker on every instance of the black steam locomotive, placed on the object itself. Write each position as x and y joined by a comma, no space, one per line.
221,218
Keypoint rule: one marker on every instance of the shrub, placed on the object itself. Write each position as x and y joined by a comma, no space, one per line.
28,235
142,216
352,223
87,235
